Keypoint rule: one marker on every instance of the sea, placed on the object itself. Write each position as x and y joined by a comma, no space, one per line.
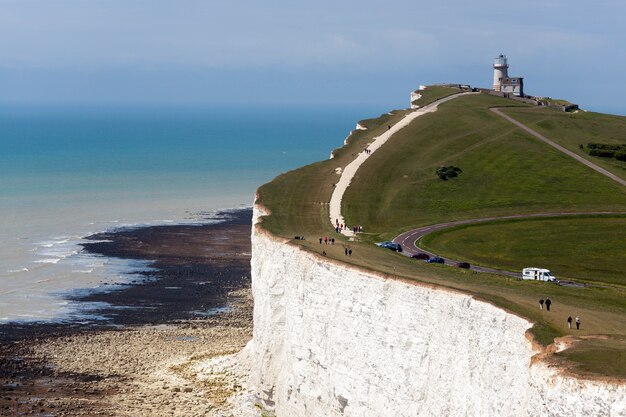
67,172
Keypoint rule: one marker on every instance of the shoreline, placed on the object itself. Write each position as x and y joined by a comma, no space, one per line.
194,303
46,269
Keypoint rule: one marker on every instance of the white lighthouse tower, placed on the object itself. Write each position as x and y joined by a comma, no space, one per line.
500,71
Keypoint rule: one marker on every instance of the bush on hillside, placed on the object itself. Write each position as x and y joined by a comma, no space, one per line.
602,153
605,146
603,150
448,172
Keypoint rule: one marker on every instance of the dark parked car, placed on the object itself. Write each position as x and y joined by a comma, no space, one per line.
395,246
420,255
436,260
390,245
463,265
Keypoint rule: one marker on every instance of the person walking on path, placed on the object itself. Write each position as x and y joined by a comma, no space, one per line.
577,323
346,250
548,303
540,300
320,240
349,252
569,322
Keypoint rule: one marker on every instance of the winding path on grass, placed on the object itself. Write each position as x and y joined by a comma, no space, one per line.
408,240
350,170
539,136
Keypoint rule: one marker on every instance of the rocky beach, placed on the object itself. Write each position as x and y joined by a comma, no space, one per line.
158,344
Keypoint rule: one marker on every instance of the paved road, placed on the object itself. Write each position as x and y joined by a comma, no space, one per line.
408,239
559,147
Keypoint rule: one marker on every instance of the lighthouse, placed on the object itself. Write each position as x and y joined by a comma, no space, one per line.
502,82
500,71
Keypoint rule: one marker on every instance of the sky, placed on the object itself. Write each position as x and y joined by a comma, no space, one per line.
280,52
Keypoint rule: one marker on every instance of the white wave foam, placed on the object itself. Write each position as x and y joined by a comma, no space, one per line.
48,261
61,256
54,242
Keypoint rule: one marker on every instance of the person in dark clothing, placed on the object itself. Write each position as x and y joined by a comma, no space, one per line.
569,322
540,302
346,249
320,240
577,323
548,303
349,252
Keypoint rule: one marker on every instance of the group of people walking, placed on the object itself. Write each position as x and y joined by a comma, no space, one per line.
548,303
331,241
340,226
569,323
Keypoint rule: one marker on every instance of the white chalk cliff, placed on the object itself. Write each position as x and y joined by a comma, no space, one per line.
333,340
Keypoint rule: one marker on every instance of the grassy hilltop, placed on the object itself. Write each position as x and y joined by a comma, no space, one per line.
504,171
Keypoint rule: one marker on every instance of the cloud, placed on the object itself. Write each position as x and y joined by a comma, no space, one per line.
344,44
84,34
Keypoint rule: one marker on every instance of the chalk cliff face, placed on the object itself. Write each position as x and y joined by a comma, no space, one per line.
331,340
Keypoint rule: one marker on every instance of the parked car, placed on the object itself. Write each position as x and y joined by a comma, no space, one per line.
395,246
420,255
436,260
463,265
390,245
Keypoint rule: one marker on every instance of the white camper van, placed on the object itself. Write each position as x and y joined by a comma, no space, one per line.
538,274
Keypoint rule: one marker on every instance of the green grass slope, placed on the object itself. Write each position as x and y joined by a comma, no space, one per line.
504,172
434,93
571,130
299,199
589,249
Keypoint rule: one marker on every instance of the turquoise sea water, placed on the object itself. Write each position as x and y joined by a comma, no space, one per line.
66,172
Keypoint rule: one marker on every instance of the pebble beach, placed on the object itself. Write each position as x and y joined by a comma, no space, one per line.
165,346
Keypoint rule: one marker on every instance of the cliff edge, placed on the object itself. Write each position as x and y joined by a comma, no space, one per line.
334,340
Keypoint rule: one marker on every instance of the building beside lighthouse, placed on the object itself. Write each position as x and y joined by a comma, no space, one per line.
501,80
